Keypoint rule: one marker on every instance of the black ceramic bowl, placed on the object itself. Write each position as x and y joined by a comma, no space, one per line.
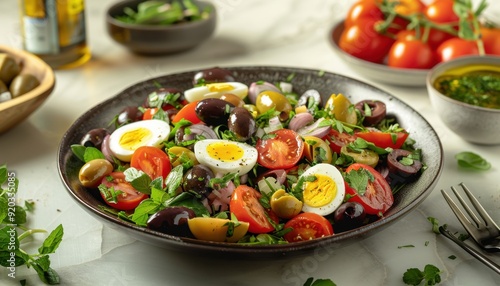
157,39
326,83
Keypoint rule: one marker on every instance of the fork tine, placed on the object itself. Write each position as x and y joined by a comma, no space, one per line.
482,212
466,207
460,216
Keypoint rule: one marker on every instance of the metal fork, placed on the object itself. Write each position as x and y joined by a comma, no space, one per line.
485,233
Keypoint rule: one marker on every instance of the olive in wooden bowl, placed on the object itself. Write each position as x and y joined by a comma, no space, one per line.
26,82
157,28
465,92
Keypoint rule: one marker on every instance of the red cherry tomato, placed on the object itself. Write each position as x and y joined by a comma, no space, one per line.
151,161
337,140
307,226
456,47
377,198
491,40
129,199
362,41
187,112
402,55
282,150
149,113
441,11
244,204
437,37
364,9
384,139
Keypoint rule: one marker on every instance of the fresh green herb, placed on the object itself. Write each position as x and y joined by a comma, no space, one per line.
14,221
426,243
452,257
430,276
138,179
361,144
319,282
86,154
473,161
435,224
406,246
109,194
358,180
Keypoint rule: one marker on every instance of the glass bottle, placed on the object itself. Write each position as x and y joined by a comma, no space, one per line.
55,31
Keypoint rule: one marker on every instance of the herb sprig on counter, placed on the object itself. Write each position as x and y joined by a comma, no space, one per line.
13,230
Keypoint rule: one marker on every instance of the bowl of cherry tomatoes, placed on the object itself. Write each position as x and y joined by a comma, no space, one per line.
398,42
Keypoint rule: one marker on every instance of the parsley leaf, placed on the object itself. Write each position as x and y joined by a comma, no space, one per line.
358,180
415,276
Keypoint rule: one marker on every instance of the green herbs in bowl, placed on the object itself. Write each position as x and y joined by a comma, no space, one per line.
164,13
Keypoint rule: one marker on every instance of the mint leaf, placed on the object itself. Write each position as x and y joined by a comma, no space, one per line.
413,276
79,151
138,179
51,243
471,160
92,153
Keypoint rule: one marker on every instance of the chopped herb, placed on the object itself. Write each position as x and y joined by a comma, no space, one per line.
406,246
435,224
452,257
430,275
319,282
358,180
471,160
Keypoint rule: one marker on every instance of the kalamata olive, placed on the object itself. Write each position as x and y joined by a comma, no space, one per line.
403,168
94,137
372,110
159,95
9,68
348,216
22,84
233,98
128,115
241,123
92,173
212,75
172,220
197,179
213,111
271,99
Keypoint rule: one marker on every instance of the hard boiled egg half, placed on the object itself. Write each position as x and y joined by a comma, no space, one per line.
126,139
216,90
225,156
323,189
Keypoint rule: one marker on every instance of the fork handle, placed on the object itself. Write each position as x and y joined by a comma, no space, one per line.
479,256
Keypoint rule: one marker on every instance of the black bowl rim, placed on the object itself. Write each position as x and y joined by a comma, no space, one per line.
236,250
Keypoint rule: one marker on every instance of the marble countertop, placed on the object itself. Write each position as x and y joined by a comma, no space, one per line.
277,33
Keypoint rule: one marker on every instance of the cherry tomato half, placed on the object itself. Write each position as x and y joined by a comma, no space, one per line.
377,197
244,204
151,161
384,139
307,226
149,113
282,150
129,199
337,140
403,51
187,112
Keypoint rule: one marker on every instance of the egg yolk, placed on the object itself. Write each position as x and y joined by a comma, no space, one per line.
135,138
218,87
320,192
224,152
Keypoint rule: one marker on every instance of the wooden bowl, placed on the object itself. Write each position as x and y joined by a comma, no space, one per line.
13,111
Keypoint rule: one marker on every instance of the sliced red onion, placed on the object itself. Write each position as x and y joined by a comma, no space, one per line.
203,130
278,174
106,151
274,124
300,120
219,199
314,130
257,87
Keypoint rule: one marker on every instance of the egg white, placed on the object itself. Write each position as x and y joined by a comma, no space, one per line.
334,174
222,166
154,132
216,90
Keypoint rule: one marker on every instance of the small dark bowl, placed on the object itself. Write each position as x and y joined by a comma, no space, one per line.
405,200
159,39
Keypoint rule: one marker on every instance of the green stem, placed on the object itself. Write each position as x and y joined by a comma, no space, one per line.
30,232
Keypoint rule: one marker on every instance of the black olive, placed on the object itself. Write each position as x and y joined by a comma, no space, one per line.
197,179
160,94
405,171
212,75
213,111
349,215
377,111
241,123
94,138
172,220
128,115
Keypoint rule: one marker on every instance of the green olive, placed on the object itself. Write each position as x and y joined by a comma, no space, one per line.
92,173
341,108
285,205
179,155
9,68
22,84
316,150
267,100
3,87
366,156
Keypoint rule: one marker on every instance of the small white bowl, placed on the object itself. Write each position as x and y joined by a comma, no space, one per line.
473,123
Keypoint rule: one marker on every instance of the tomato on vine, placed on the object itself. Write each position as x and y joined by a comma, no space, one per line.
403,51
